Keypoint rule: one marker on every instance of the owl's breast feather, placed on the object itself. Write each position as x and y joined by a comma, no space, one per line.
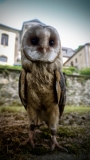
40,89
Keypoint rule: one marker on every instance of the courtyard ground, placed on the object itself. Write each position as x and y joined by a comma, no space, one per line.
73,134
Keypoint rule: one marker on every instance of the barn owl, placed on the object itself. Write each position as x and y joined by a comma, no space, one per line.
41,82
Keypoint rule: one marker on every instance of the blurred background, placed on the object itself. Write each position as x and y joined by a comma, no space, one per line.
71,18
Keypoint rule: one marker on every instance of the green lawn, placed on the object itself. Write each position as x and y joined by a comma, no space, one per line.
78,109
68,109
67,70
12,109
6,67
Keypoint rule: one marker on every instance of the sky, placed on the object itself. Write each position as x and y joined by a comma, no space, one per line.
71,18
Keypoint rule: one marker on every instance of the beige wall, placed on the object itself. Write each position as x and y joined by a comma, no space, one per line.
89,55
9,50
17,47
65,59
81,58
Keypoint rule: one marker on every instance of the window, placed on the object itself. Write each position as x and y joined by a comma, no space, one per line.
16,38
76,60
72,63
4,39
3,58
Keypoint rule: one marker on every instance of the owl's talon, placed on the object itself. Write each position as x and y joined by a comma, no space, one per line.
59,147
42,87
56,145
29,140
26,142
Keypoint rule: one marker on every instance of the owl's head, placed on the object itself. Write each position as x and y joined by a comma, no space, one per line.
41,43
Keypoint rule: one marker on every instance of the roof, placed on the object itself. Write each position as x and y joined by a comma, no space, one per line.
33,20
66,48
77,51
2,25
68,52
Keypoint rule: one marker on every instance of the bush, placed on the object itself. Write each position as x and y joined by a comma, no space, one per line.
10,67
70,70
85,71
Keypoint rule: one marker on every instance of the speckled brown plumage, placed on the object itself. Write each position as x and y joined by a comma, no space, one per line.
41,82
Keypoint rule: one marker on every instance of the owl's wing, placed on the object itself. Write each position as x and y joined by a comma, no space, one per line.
22,88
60,89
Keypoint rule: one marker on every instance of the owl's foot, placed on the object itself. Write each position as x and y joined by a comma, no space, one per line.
29,140
56,145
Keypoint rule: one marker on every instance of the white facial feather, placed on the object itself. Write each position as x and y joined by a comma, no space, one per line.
43,51
38,56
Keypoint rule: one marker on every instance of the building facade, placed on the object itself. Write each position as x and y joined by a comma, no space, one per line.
9,45
81,58
67,53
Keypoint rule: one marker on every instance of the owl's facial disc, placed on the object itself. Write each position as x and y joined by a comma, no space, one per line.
41,44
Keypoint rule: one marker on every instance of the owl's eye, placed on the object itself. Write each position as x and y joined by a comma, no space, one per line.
51,42
34,41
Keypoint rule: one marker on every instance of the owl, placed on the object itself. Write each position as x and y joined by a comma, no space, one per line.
41,82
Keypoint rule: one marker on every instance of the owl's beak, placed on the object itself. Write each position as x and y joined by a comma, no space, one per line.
43,50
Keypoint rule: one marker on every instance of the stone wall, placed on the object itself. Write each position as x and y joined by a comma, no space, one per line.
9,88
78,89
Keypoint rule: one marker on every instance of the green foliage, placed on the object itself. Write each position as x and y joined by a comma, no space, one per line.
11,109
79,47
85,71
70,70
10,67
69,131
77,109
68,109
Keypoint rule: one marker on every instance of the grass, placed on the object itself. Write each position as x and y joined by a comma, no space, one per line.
66,70
10,67
78,109
73,136
12,109
70,70
85,71
68,109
